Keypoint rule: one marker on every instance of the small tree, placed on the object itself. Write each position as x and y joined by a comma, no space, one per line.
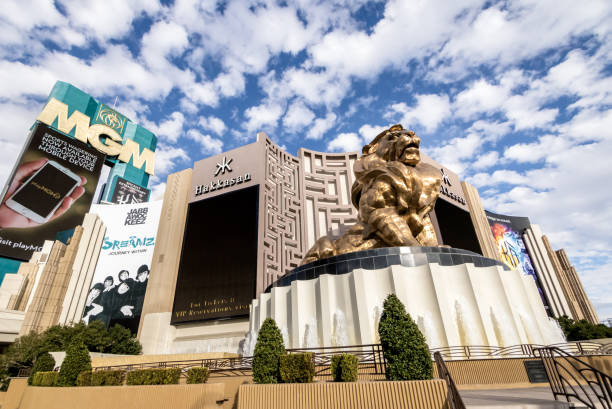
43,363
268,350
122,341
404,346
77,360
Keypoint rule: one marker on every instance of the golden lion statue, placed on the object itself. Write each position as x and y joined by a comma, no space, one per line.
393,192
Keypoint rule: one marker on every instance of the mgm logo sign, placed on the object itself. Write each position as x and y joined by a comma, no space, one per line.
111,125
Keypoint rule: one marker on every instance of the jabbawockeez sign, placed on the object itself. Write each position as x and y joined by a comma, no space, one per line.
119,283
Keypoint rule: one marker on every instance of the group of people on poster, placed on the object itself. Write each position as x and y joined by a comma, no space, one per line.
118,301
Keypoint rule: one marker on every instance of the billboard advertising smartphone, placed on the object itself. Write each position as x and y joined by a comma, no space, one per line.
50,190
120,279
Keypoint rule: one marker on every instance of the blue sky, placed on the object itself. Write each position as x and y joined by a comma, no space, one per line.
514,96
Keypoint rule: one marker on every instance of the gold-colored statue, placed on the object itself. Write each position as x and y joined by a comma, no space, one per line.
393,192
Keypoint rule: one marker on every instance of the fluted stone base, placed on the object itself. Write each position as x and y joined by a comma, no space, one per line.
456,297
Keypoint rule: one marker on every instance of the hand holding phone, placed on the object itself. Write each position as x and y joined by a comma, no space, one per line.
41,191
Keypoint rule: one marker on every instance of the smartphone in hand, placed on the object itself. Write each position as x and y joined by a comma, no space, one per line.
39,197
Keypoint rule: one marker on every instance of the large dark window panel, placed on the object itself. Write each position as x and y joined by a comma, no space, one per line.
218,267
456,227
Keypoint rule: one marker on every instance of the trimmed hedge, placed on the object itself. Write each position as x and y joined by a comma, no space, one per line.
403,344
77,360
297,368
197,375
107,378
45,378
44,362
166,376
268,350
344,368
84,379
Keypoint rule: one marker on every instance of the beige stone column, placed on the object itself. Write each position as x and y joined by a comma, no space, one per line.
575,311
545,271
35,311
480,222
155,331
586,307
83,269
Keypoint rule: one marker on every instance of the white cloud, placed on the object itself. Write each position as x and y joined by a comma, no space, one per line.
546,146
262,116
108,19
208,144
314,88
408,30
297,117
501,35
17,119
321,125
490,131
37,13
230,83
486,160
588,125
345,142
499,176
369,132
157,191
456,153
167,158
170,129
212,123
430,110
164,39
480,97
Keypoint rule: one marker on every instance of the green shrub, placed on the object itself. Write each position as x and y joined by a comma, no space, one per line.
43,363
84,379
107,378
36,379
582,329
297,368
45,378
197,375
344,368
404,347
77,360
268,349
167,376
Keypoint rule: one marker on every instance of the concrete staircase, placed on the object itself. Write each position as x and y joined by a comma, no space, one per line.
524,398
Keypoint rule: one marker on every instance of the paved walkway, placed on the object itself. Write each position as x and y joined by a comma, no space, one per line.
524,398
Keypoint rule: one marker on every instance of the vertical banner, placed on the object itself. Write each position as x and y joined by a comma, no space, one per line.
120,280
127,192
49,191
507,232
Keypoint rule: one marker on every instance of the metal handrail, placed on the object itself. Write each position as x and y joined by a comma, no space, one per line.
573,378
455,401
370,355
521,350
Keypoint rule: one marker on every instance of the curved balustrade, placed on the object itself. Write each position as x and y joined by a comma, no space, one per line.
371,356
574,379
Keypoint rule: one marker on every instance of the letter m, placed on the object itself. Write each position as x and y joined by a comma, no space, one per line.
58,110
132,150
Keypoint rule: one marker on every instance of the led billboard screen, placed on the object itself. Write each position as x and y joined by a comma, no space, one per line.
508,235
128,192
50,190
218,266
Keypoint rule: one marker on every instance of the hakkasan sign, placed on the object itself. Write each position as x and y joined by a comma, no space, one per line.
120,280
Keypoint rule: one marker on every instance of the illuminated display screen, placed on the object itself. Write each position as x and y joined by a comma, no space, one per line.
218,266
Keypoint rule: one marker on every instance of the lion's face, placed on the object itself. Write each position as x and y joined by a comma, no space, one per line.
402,146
